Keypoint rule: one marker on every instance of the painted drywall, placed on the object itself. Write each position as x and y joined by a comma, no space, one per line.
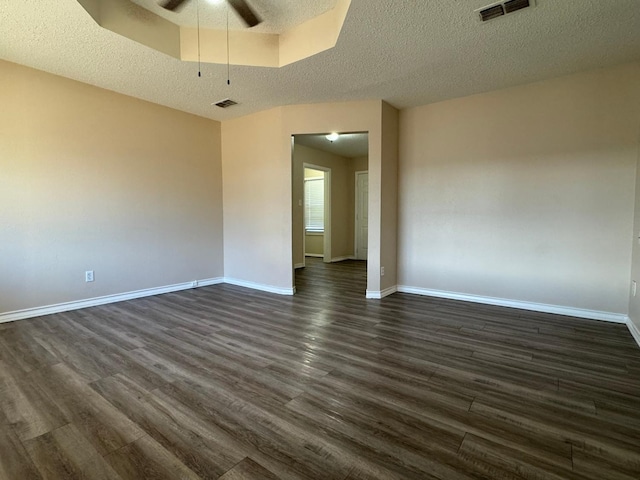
389,208
257,186
634,300
201,44
94,180
524,194
342,211
314,244
360,164
365,116
311,173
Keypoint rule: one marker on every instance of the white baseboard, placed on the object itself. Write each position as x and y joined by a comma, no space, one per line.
210,281
342,259
92,302
503,302
260,286
378,294
298,265
635,333
538,307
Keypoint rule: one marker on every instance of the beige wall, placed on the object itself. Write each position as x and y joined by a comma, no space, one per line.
360,164
94,180
310,172
258,186
524,194
389,210
364,116
256,189
342,212
634,302
313,245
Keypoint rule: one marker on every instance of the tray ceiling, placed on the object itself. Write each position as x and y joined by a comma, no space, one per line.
406,53
277,15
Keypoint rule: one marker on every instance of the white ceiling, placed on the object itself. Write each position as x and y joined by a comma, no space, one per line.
349,145
407,52
277,15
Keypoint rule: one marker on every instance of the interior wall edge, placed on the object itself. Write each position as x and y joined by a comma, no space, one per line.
635,332
380,294
522,305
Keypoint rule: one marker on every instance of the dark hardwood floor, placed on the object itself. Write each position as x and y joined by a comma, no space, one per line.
224,382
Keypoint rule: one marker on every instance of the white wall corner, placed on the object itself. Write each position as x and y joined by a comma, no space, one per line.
503,302
635,332
93,302
379,294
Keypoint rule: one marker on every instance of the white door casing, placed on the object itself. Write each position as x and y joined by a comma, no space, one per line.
327,211
362,215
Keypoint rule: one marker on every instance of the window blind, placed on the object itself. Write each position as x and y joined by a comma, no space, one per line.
314,204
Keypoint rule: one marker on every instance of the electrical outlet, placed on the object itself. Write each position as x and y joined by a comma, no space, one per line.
382,271
88,276
634,288
194,284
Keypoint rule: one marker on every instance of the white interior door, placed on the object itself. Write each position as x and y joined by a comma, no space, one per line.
362,215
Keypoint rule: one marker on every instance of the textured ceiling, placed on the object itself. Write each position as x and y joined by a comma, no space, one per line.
405,52
349,145
277,15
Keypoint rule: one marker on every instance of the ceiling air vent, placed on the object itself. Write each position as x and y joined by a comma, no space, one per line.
490,13
226,103
496,10
515,5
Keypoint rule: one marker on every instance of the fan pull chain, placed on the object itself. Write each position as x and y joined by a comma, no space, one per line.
198,20
228,60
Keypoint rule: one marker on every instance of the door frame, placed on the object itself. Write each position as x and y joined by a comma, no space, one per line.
355,215
327,213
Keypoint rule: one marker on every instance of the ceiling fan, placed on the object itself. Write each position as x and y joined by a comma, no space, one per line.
241,7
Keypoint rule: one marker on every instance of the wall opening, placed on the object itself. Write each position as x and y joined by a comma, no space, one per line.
339,162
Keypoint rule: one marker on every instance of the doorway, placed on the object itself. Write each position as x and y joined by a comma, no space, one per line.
335,158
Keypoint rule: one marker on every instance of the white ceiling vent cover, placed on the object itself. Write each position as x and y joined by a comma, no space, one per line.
500,9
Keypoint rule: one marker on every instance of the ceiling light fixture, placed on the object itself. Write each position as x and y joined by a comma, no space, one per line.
215,2
332,137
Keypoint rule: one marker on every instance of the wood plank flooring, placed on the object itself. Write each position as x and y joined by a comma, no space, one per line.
227,383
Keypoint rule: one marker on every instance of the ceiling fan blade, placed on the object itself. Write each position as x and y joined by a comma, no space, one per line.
172,5
245,11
